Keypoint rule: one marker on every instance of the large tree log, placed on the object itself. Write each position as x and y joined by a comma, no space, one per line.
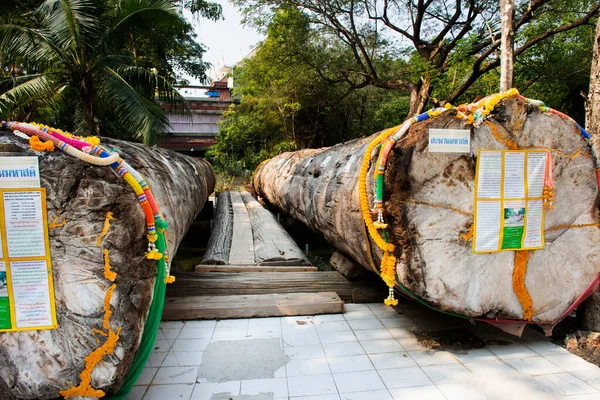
270,243
219,244
429,204
39,364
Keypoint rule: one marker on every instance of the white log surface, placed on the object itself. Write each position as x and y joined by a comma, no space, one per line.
39,364
435,263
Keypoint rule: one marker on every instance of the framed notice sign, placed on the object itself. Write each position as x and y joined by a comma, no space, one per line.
26,289
509,211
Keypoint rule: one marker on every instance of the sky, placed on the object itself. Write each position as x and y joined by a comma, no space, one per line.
227,41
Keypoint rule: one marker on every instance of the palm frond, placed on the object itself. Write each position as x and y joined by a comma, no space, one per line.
38,89
132,13
71,24
136,112
30,44
156,85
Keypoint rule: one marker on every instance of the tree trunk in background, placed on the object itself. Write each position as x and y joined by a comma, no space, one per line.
507,47
429,204
589,312
39,364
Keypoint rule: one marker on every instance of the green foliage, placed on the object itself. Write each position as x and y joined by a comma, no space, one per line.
96,66
287,104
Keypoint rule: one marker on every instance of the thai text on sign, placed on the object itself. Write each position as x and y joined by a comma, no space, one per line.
509,211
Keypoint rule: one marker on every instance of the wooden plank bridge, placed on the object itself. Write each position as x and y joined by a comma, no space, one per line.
253,268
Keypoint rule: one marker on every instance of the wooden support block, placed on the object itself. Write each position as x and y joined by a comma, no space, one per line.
242,243
254,268
250,306
228,283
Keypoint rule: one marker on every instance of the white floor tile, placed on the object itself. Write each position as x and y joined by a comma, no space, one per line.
404,377
363,314
350,364
432,357
392,360
348,382
453,373
533,365
356,307
277,386
411,343
204,391
183,359
570,362
264,332
513,350
195,333
474,355
304,352
461,391
190,344
272,321
319,397
201,324
333,326
313,366
175,392
156,358
589,376
362,324
162,345
565,384
136,393
545,347
301,339
171,324
417,393
374,334
233,323
168,333
317,319
229,334
381,346
343,349
146,376
313,385
175,375
369,395
490,367
401,333
337,337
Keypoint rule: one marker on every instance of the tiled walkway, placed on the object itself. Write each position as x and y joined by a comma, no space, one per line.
368,353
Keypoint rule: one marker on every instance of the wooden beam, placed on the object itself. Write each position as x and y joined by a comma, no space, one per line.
250,306
233,283
253,268
242,243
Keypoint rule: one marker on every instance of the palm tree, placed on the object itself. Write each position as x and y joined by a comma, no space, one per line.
61,57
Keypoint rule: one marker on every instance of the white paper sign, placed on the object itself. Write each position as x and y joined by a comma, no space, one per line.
31,293
24,222
19,172
449,140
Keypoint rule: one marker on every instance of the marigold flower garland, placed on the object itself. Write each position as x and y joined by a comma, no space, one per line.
89,150
474,114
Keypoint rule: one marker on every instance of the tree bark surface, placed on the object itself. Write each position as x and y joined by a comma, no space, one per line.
39,364
429,203
219,244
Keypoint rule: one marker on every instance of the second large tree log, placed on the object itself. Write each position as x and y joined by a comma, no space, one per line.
39,364
429,204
